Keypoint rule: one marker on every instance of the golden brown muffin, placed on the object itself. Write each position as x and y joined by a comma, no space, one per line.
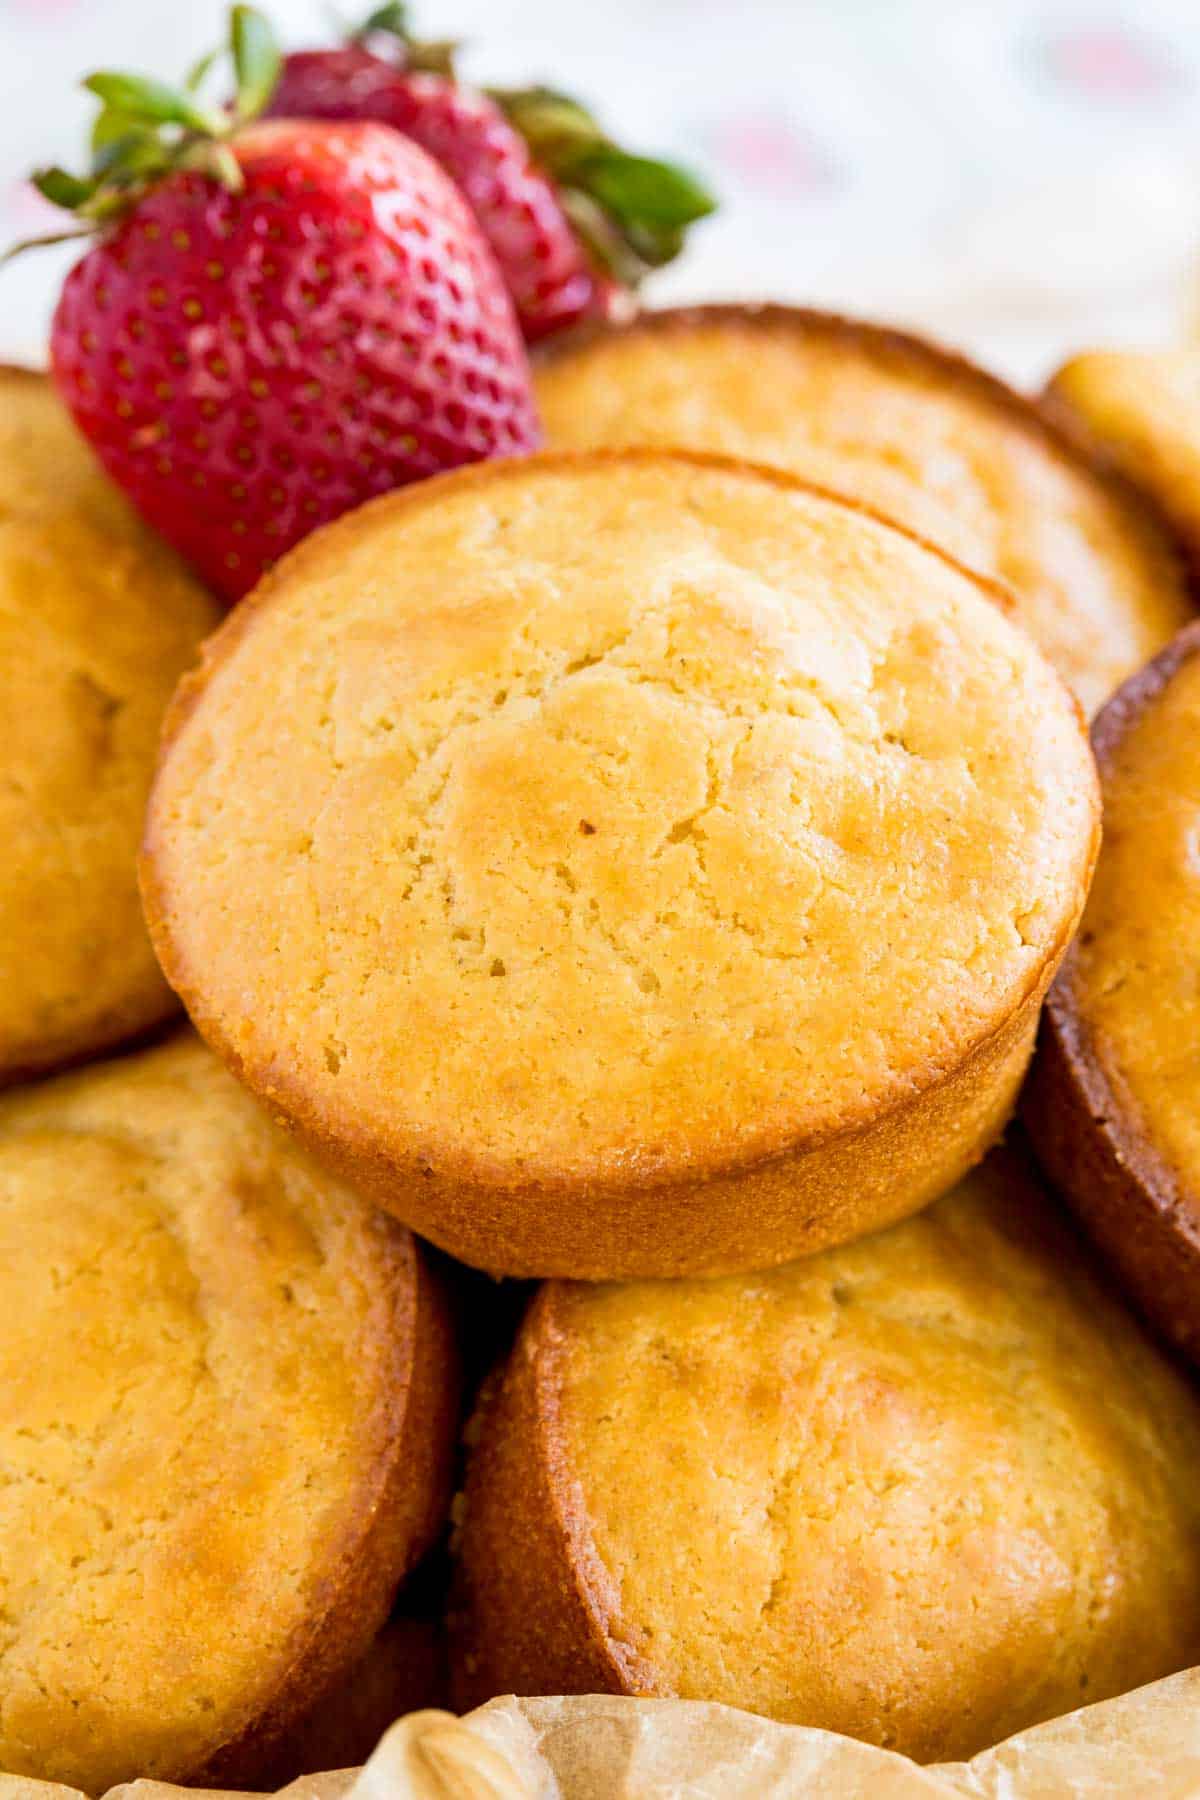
632,864
1143,407
229,1408
926,1489
933,441
97,622
1114,1104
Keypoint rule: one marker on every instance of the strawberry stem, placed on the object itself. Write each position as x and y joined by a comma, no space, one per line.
40,243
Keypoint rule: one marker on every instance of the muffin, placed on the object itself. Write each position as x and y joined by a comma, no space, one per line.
97,622
1144,409
936,443
229,1409
1114,1105
402,1671
925,1490
633,864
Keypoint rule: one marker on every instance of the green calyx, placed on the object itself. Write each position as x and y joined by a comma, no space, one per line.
392,21
632,212
146,129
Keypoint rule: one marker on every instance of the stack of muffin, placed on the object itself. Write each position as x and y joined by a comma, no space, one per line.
640,870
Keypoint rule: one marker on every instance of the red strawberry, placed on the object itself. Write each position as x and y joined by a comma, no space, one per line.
574,222
275,323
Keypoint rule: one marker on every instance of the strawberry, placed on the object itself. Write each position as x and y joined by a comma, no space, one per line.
574,222
275,321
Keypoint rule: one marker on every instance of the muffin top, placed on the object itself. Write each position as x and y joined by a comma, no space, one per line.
926,1489
558,820
930,440
206,1352
1131,974
97,621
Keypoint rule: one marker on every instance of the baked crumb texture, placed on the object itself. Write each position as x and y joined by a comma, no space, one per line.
229,1404
97,622
659,870
926,1489
924,435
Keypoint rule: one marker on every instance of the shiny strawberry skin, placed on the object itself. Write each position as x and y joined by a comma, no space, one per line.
550,275
249,365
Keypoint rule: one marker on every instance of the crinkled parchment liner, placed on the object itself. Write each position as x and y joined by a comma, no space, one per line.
604,1748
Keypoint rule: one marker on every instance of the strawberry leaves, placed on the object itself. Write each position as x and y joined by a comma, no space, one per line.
256,61
147,129
391,19
631,211
62,188
139,99
643,192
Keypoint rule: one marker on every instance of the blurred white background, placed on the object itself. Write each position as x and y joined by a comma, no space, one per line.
1020,178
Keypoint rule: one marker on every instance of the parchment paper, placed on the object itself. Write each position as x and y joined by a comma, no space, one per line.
606,1748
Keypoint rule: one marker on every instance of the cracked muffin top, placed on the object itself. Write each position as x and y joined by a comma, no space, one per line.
936,443
636,812
926,1489
98,620
226,1429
